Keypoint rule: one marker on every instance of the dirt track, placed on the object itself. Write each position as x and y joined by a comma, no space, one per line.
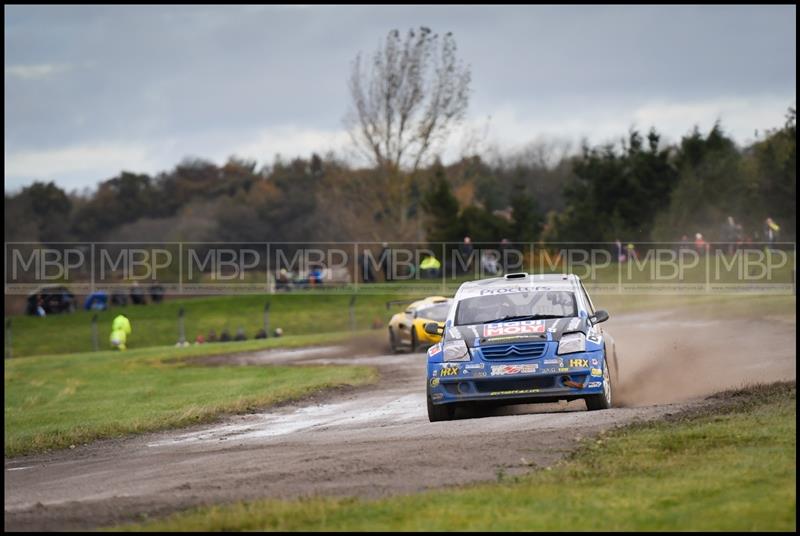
377,440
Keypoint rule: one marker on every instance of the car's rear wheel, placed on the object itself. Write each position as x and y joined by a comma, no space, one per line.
393,341
442,412
604,400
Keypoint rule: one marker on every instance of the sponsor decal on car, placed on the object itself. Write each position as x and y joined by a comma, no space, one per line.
595,362
449,370
513,328
479,374
597,372
563,369
502,290
551,361
592,335
515,338
550,370
510,290
504,370
554,327
435,349
474,366
437,396
592,385
514,392
434,382
583,363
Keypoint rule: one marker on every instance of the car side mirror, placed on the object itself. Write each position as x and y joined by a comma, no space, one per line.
432,328
599,316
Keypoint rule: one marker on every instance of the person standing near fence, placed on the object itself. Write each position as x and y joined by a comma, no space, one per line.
728,235
465,249
771,232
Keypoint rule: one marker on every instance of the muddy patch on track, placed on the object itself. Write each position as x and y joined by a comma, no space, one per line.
355,347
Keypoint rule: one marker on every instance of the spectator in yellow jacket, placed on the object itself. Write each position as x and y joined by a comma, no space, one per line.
120,329
429,267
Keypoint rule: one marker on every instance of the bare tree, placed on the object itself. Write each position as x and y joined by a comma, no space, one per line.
406,103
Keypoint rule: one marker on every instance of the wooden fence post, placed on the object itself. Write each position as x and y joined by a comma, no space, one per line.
95,344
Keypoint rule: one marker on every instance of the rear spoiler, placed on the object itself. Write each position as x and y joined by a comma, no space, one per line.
392,303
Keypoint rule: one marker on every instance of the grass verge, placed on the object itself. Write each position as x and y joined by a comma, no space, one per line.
731,466
300,313
750,306
61,400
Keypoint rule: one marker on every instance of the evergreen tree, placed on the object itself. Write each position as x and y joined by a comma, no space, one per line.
526,218
618,194
441,207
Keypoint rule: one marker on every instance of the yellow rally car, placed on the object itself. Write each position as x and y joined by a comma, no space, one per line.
407,329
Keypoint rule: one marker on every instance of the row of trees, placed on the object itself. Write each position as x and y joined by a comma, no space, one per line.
300,200
636,190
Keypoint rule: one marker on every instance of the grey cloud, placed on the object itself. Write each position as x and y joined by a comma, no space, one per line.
148,73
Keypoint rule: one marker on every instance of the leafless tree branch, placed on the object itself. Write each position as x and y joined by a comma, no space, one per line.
415,92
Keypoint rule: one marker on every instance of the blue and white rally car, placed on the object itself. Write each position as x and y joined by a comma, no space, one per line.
520,339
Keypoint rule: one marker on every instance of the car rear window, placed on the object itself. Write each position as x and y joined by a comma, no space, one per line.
436,312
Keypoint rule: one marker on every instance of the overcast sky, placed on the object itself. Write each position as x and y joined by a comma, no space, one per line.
92,90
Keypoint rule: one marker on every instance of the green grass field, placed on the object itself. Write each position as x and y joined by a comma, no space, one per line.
57,401
296,313
728,470
157,325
